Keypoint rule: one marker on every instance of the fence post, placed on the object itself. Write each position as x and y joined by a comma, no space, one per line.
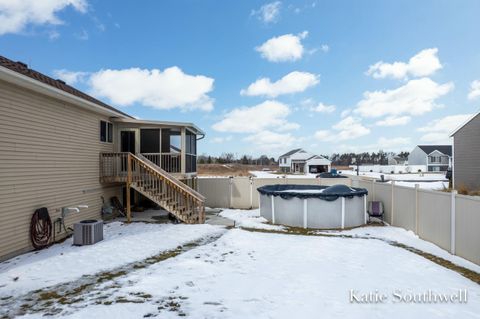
373,189
305,220
231,191
452,221
417,186
393,204
251,192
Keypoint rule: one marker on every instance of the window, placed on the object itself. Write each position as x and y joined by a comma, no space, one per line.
106,132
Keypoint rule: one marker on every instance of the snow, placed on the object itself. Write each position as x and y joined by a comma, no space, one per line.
410,177
302,191
406,237
424,185
259,275
249,219
248,274
122,244
263,174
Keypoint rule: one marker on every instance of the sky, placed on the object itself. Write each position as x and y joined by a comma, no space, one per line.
263,77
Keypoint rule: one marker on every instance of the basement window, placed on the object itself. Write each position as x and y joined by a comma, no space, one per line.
106,132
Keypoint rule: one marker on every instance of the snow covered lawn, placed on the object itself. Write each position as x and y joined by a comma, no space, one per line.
122,244
249,274
260,275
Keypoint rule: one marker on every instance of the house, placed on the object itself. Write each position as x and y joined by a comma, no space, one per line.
396,160
299,161
64,150
466,152
437,158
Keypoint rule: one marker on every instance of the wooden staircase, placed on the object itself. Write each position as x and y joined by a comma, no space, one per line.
154,183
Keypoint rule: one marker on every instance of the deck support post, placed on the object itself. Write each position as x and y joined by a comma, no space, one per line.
129,181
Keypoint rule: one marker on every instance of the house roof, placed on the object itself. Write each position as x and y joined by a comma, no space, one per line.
465,123
291,152
23,69
445,149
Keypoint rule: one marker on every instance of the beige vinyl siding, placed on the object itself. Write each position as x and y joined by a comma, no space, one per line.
49,156
467,155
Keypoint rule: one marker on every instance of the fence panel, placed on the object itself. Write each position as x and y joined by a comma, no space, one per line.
335,181
258,182
467,222
241,193
434,217
216,191
383,193
404,207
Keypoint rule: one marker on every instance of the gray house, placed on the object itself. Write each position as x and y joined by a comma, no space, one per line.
437,158
466,154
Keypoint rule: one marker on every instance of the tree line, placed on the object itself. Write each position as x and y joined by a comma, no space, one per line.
341,159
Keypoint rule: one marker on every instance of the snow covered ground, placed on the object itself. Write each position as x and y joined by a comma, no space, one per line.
266,174
250,274
122,244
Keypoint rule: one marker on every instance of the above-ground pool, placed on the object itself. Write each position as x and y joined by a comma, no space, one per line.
313,206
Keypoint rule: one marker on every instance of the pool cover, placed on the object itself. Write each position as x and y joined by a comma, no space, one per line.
328,193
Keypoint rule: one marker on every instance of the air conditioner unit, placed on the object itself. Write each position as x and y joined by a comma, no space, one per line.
87,232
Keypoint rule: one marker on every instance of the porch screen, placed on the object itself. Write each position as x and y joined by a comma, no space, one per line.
150,141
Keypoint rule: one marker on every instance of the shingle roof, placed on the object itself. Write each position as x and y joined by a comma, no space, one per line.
445,149
23,69
291,152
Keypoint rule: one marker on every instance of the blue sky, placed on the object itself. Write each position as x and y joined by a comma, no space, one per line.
262,76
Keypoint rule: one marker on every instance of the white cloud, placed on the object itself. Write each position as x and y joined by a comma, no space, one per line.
345,113
416,97
268,13
439,130
268,141
347,129
293,82
287,47
391,144
474,90
167,89
263,116
323,108
221,139
324,48
394,121
424,63
70,77
15,16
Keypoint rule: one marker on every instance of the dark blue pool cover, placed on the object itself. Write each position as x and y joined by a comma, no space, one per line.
329,193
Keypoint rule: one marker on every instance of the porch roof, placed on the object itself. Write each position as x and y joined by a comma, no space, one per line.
195,129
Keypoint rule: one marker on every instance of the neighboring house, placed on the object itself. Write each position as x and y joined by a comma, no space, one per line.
437,158
466,154
62,148
299,161
396,160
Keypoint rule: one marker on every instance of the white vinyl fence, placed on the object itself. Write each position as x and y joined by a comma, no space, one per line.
449,220
241,192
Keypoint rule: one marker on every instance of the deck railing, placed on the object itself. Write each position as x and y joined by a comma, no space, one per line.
170,162
151,181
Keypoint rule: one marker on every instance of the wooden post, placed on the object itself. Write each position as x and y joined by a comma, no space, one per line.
183,151
129,181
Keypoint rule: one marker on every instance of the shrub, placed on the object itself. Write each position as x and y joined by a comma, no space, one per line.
391,172
463,189
419,171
